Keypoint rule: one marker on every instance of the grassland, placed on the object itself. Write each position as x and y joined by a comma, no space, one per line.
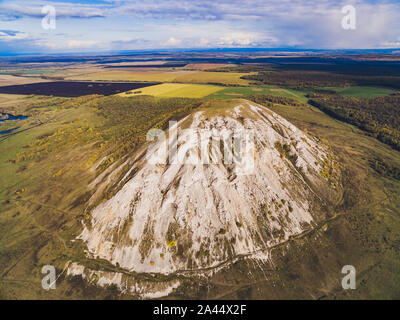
361,92
118,75
365,233
225,78
46,171
206,66
29,71
10,99
179,90
239,92
8,80
352,91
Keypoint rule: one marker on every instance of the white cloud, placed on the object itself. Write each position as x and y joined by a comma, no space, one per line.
390,44
245,39
73,44
208,23
173,42
204,42
235,39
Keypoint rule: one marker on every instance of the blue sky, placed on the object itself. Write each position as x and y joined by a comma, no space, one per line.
97,26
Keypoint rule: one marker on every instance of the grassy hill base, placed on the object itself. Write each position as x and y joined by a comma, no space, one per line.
44,197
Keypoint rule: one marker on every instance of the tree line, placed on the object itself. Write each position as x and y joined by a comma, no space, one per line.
379,116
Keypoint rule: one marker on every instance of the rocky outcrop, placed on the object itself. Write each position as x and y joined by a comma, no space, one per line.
192,214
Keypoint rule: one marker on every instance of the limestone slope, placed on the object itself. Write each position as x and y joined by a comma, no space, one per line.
169,217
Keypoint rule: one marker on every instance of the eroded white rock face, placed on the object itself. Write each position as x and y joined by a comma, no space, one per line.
174,217
127,285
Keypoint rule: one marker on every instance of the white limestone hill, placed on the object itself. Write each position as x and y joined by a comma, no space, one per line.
169,218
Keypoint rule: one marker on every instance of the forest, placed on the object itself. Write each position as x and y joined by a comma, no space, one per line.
314,79
379,117
121,126
316,75
268,100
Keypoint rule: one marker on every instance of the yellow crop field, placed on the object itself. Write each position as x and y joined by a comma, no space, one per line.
181,90
214,77
157,90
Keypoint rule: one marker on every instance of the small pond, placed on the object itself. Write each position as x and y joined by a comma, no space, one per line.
8,116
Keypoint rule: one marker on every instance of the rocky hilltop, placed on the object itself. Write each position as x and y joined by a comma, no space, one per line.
185,214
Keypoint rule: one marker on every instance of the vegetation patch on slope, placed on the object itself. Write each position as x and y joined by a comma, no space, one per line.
377,116
361,92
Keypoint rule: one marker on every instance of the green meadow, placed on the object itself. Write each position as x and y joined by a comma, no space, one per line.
361,92
242,92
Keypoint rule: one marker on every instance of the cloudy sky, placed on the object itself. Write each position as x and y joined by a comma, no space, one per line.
104,25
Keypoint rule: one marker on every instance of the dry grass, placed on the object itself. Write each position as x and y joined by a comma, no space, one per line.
10,80
205,66
127,75
214,77
10,99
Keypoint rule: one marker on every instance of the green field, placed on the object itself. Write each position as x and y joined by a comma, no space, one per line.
241,92
225,78
354,91
27,72
361,92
